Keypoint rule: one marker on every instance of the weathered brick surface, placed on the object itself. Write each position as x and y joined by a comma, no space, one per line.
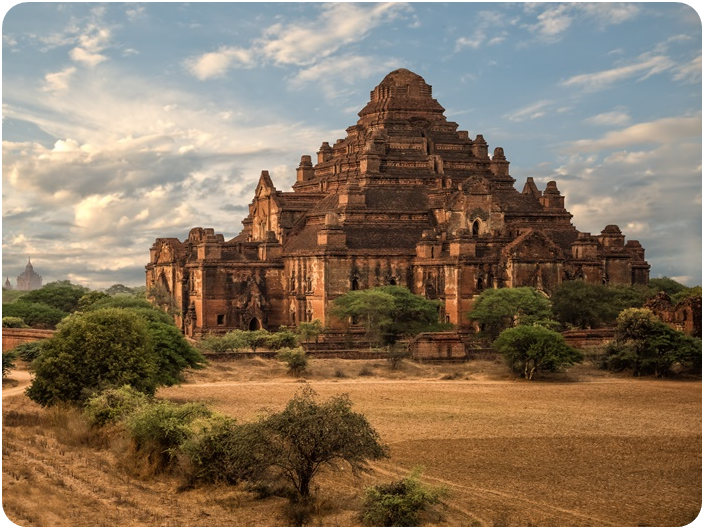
11,338
405,198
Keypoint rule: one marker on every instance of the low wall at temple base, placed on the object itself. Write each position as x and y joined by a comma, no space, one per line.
11,338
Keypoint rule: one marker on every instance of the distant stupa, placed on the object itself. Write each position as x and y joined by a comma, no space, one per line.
29,279
7,285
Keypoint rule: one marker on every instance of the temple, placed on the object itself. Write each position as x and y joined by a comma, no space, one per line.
405,199
29,279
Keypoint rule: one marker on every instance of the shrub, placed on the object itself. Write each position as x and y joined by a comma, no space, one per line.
29,351
296,359
159,428
396,354
13,322
527,349
399,503
37,315
226,453
91,352
114,405
8,362
308,435
216,344
283,339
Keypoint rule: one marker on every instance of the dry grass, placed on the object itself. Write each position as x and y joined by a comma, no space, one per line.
576,448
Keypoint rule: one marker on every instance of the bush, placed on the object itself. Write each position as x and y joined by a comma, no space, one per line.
283,338
91,352
308,435
29,351
114,405
296,359
399,503
61,295
37,315
648,346
13,322
158,430
396,354
528,349
8,362
225,453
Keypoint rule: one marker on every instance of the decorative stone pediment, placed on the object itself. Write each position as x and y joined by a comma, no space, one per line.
533,245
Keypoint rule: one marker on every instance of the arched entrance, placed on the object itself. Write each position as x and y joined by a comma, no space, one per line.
255,324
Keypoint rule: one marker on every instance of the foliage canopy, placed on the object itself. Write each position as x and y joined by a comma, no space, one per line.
527,349
498,309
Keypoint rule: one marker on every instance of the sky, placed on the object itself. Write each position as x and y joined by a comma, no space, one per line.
124,122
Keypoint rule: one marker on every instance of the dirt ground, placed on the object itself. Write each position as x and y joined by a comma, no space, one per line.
579,448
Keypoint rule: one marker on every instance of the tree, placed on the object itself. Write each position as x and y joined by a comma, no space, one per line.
308,435
29,351
91,352
582,304
310,330
89,299
527,349
667,285
37,315
61,295
283,338
257,339
389,312
117,289
8,362
646,345
498,309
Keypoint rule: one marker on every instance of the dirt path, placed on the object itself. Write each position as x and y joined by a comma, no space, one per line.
23,378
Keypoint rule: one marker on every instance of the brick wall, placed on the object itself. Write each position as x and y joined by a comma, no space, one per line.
11,338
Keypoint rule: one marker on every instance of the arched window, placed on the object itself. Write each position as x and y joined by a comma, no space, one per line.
355,284
392,281
475,228
255,324
480,284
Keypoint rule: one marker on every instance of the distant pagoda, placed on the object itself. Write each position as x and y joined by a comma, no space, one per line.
29,279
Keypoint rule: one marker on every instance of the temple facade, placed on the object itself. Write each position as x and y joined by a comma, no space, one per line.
405,199
29,279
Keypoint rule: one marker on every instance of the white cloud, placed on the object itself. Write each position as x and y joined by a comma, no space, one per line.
661,131
91,42
609,119
690,72
646,66
217,63
59,80
303,43
533,111
333,72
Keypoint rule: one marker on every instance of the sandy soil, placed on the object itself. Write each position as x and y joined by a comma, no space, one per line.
581,448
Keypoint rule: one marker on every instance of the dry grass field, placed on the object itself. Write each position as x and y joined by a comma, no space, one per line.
581,448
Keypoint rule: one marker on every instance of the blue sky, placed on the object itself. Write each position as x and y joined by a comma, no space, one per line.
127,122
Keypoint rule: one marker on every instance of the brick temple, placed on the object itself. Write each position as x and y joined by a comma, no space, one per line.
405,199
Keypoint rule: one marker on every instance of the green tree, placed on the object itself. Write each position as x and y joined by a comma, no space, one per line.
399,503
36,315
583,304
527,349
93,351
257,339
283,338
13,322
388,313
666,284
117,289
499,309
646,345
61,295
310,330
307,435
295,358
29,351
8,362
90,298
